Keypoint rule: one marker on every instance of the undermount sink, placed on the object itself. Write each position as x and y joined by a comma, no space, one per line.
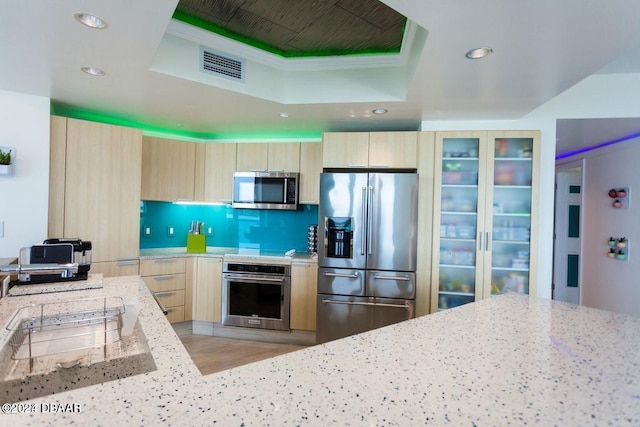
67,345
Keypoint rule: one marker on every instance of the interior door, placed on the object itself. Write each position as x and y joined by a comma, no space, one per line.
567,245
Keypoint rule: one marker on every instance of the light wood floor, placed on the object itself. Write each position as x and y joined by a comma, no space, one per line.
214,354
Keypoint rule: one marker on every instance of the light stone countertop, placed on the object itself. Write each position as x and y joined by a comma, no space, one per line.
234,253
509,360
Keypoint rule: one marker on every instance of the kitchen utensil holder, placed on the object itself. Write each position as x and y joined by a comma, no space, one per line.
196,243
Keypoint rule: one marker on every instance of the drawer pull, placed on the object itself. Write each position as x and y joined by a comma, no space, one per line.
124,263
165,293
163,277
164,261
128,258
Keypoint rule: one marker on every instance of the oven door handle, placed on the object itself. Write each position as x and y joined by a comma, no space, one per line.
249,279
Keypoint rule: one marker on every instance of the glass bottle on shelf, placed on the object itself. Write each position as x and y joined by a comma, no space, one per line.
511,215
458,225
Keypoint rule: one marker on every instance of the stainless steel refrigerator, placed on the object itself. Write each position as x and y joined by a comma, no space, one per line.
366,252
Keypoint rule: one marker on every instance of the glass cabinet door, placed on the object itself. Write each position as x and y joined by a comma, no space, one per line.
455,244
510,218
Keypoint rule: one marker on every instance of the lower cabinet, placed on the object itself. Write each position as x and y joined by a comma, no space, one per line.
207,289
167,278
124,267
304,290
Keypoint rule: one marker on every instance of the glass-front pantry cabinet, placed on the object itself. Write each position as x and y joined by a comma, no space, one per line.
485,215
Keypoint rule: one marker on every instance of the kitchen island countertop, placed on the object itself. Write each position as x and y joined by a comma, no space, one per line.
508,360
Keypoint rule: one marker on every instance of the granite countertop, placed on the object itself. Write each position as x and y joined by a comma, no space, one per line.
508,360
237,253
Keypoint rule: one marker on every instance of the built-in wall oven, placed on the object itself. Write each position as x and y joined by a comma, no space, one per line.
256,295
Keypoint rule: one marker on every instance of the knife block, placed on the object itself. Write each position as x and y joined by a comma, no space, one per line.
196,243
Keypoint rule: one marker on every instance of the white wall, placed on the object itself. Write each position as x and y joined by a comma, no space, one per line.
547,128
24,125
610,284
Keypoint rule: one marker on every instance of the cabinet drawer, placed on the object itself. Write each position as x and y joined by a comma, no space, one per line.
169,282
175,314
171,298
157,266
125,267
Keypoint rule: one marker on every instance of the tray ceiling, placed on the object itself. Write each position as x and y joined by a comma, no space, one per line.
302,27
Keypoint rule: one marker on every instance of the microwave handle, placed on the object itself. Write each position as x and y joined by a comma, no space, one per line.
286,190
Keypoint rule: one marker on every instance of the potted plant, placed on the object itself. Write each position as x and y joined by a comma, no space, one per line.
613,193
612,241
621,254
616,203
622,242
621,193
612,253
6,167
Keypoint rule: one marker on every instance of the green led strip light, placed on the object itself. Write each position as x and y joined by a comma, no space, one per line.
208,26
170,132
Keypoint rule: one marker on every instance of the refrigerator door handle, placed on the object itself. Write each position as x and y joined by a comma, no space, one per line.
383,277
350,276
375,304
364,220
369,221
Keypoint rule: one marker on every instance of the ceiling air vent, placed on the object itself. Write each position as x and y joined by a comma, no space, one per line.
221,65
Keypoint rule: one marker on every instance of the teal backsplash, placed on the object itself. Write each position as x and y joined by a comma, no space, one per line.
236,228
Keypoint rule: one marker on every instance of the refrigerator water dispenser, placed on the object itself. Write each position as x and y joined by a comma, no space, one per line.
338,237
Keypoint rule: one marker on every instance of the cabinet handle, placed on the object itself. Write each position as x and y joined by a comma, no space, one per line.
163,277
165,293
357,166
480,240
301,264
380,166
164,261
128,258
125,263
487,245
216,260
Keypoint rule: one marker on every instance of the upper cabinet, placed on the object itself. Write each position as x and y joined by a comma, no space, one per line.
393,150
168,169
345,150
485,215
102,175
370,150
310,169
283,157
214,180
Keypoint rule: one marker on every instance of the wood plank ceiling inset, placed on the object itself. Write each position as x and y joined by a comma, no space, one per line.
301,27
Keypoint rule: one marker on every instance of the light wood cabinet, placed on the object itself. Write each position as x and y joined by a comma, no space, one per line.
393,149
345,150
252,157
304,292
123,267
102,175
207,289
275,156
310,170
168,169
426,152
485,215
370,150
284,157
167,278
215,183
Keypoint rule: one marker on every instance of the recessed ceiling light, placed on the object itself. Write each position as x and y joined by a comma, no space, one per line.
284,115
479,52
379,111
90,21
93,71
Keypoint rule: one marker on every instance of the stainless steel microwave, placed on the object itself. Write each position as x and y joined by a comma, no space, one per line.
265,190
